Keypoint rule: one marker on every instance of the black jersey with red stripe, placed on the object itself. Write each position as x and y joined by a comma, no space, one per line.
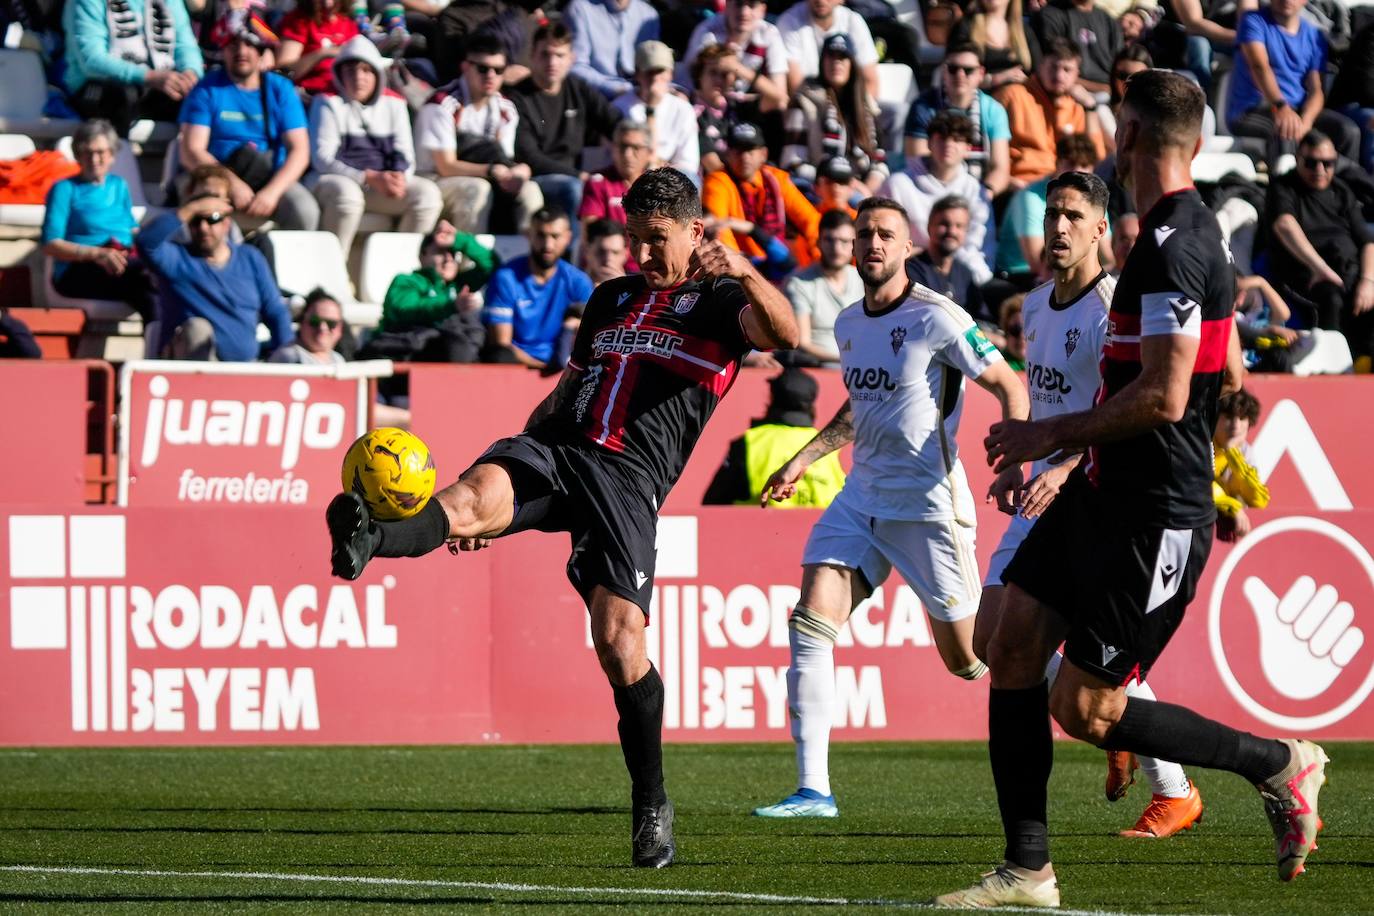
1179,279
654,364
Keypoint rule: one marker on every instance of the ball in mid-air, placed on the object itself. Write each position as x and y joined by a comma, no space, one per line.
392,470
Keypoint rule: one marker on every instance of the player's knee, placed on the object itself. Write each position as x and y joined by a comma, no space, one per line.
1010,660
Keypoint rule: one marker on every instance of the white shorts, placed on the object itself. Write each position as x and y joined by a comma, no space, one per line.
935,558
1006,549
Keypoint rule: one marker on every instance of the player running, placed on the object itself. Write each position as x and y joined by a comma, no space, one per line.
1065,324
904,352
654,355
1110,567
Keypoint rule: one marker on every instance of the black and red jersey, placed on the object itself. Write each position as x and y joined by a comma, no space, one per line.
1179,279
654,364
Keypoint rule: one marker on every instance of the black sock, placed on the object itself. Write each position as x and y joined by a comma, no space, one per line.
1022,753
1169,732
641,736
416,536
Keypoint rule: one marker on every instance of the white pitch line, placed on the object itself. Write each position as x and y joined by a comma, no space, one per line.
504,887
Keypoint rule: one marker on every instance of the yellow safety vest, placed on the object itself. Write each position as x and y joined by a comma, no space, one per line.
770,446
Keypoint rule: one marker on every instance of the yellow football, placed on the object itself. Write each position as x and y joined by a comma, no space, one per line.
392,470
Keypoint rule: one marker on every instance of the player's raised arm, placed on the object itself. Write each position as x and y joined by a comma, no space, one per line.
838,433
770,324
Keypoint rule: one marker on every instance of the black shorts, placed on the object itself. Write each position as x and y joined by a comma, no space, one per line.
610,511
1123,588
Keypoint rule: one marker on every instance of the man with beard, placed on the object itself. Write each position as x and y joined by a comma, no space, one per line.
534,303
937,267
214,293
904,351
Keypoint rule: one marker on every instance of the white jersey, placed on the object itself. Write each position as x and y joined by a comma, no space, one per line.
904,370
1064,350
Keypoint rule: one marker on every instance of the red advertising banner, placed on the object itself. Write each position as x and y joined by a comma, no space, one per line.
43,413
236,435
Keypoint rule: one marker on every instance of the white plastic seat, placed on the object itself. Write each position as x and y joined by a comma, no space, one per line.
302,261
1212,166
387,255
24,96
99,309
896,85
16,146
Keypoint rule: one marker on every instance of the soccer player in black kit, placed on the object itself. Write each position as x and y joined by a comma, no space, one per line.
654,355
1114,561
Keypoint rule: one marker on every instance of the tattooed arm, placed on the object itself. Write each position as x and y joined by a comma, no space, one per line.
557,399
838,433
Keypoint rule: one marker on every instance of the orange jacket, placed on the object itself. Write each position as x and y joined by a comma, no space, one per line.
1037,122
721,197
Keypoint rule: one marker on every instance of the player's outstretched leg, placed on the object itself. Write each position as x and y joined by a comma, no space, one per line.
1175,803
618,635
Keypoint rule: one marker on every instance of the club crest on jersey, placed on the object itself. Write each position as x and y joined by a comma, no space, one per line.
684,303
1071,341
898,338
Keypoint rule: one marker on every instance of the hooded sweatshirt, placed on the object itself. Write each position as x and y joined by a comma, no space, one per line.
348,137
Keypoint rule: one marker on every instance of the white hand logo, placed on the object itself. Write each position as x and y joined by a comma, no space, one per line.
1306,637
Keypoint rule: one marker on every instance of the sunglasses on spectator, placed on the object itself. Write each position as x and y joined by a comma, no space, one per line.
317,322
489,69
1313,163
952,69
209,219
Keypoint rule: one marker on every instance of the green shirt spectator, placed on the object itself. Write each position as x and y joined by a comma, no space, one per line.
439,289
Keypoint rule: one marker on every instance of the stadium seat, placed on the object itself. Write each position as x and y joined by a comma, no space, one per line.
507,247
16,146
24,96
896,85
305,260
1212,166
385,256
101,309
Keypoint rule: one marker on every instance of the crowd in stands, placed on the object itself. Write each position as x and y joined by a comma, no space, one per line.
457,118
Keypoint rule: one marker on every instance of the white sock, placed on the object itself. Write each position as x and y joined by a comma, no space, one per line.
1052,669
1166,778
811,703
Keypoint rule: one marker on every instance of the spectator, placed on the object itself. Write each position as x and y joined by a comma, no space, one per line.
465,138
996,26
433,314
938,267
1044,110
16,340
1021,237
510,23
832,114
129,60
362,150
669,118
560,116
923,183
1091,28
712,75
535,303
630,156
756,71
88,227
749,191
214,293
1191,32
1013,342
606,37
988,159
1137,24
312,35
1237,484
786,426
320,329
1277,93
820,292
1321,254
1131,60
254,124
605,251
1352,92
1125,230
838,188
805,27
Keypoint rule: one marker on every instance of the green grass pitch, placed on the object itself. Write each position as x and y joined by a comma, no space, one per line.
456,828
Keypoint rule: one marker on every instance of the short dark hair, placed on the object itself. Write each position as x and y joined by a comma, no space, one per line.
834,219
965,47
550,213
1060,48
485,43
1085,183
953,124
603,228
316,296
1239,404
950,202
1076,150
553,33
663,192
1170,107
883,203
709,55
1313,138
